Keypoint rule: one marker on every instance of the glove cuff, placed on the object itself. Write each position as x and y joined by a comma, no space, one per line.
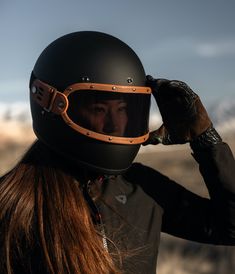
206,139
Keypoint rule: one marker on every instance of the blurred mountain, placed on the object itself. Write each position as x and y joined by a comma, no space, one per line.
15,123
17,111
223,116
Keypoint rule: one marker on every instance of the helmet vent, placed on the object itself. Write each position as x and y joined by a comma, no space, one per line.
85,79
129,80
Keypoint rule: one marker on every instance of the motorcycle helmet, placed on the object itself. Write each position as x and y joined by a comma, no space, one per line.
89,100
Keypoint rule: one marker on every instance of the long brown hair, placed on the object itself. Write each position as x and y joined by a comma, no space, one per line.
44,218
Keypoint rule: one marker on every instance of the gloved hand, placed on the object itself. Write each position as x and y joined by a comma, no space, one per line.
183,114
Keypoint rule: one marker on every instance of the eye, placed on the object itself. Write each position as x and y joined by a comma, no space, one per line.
122,107
97,109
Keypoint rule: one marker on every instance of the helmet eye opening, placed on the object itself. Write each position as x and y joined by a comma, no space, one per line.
111,110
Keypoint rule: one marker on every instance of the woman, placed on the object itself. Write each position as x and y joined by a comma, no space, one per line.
75,203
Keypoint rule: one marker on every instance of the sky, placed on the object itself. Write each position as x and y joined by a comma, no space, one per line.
188,40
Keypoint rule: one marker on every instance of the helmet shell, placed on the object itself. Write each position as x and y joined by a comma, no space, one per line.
85,56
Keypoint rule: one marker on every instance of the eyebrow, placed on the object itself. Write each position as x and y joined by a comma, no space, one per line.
103,101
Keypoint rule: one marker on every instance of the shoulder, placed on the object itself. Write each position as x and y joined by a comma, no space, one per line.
139,174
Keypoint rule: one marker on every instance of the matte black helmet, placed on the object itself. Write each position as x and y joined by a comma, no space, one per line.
89,100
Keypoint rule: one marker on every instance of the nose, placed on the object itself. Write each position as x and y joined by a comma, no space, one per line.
109,124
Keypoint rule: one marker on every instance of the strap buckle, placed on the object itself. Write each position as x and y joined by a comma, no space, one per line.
49,98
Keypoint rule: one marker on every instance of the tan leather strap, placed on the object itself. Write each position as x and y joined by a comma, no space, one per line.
104,137
49,98
56,102
107,87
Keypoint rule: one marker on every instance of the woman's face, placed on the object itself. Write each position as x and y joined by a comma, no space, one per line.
106,116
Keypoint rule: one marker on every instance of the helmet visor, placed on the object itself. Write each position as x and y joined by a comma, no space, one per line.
110,113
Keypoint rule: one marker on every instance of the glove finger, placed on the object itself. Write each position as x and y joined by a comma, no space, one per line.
176,101
158,136
170,87
175,92
155,84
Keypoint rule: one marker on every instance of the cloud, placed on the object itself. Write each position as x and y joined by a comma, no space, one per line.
190,46
216,49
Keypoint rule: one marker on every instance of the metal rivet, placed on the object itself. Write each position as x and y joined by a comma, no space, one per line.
129,80
60,104
33,89
131,141
92,86
88,133
134,89
114,88
85,79
110,138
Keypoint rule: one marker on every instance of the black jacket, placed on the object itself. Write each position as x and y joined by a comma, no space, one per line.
143,202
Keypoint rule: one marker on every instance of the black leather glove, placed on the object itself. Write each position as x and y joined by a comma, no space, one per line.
183,114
